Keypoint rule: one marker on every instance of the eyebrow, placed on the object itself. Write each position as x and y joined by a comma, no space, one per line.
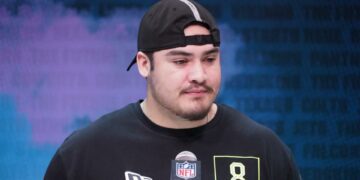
178,52
211,51
184,53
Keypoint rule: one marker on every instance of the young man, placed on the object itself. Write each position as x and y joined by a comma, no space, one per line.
177,131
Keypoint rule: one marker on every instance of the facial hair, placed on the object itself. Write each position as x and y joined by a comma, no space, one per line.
201,114
176,109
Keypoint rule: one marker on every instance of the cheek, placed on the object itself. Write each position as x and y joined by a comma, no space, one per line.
168,82
215,75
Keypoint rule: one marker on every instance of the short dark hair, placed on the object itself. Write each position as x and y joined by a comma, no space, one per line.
150,55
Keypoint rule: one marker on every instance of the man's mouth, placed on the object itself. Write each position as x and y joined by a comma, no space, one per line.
196,91
200,90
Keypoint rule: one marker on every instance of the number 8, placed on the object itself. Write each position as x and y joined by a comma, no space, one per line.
241,174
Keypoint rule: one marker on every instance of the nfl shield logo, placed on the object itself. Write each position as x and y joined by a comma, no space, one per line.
186,170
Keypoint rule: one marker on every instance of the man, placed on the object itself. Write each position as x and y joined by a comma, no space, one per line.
177,131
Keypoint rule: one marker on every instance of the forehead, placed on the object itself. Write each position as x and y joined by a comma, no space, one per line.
189,50
196,30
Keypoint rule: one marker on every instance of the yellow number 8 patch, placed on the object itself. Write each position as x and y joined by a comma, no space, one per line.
236,167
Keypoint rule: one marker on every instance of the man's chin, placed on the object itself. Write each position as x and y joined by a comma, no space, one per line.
197,115
194,116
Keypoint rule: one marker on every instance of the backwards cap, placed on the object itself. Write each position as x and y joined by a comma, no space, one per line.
162,27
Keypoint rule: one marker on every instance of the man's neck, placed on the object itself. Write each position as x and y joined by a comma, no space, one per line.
165,118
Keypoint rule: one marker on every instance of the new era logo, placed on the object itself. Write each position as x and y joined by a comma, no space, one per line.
135,176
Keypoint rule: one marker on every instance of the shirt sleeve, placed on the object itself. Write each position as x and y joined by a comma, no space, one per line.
284,166
293,169
56,169
281,162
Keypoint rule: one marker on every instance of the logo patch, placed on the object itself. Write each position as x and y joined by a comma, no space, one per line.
135,176
236,167
186,170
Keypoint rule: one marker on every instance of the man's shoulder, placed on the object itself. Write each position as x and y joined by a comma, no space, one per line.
108,126
121,113
115,120
277,157
252,132
244,126
241,121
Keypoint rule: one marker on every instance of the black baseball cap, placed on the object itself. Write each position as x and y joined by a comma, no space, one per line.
162,27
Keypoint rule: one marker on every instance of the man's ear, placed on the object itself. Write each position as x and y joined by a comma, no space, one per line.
143,64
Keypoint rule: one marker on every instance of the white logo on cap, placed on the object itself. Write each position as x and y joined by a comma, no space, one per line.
193,9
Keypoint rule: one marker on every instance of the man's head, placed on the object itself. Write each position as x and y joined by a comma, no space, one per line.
162,27
179,56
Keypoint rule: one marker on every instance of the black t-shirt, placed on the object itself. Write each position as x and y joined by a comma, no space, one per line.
125,144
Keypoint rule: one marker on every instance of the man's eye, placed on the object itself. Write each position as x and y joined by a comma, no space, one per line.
210,59
180,62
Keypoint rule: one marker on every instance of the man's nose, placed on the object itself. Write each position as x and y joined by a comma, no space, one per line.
198,73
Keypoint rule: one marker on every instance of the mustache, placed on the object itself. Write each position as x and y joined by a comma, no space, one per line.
202,87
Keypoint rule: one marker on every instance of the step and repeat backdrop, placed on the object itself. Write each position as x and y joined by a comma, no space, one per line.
293,66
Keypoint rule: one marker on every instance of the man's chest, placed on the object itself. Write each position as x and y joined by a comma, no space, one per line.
162,163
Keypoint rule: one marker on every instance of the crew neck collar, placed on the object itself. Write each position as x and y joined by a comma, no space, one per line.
178,133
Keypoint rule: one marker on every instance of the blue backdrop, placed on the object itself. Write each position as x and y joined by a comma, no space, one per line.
291,65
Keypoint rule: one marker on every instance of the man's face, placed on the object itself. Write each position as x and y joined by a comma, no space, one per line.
185,80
